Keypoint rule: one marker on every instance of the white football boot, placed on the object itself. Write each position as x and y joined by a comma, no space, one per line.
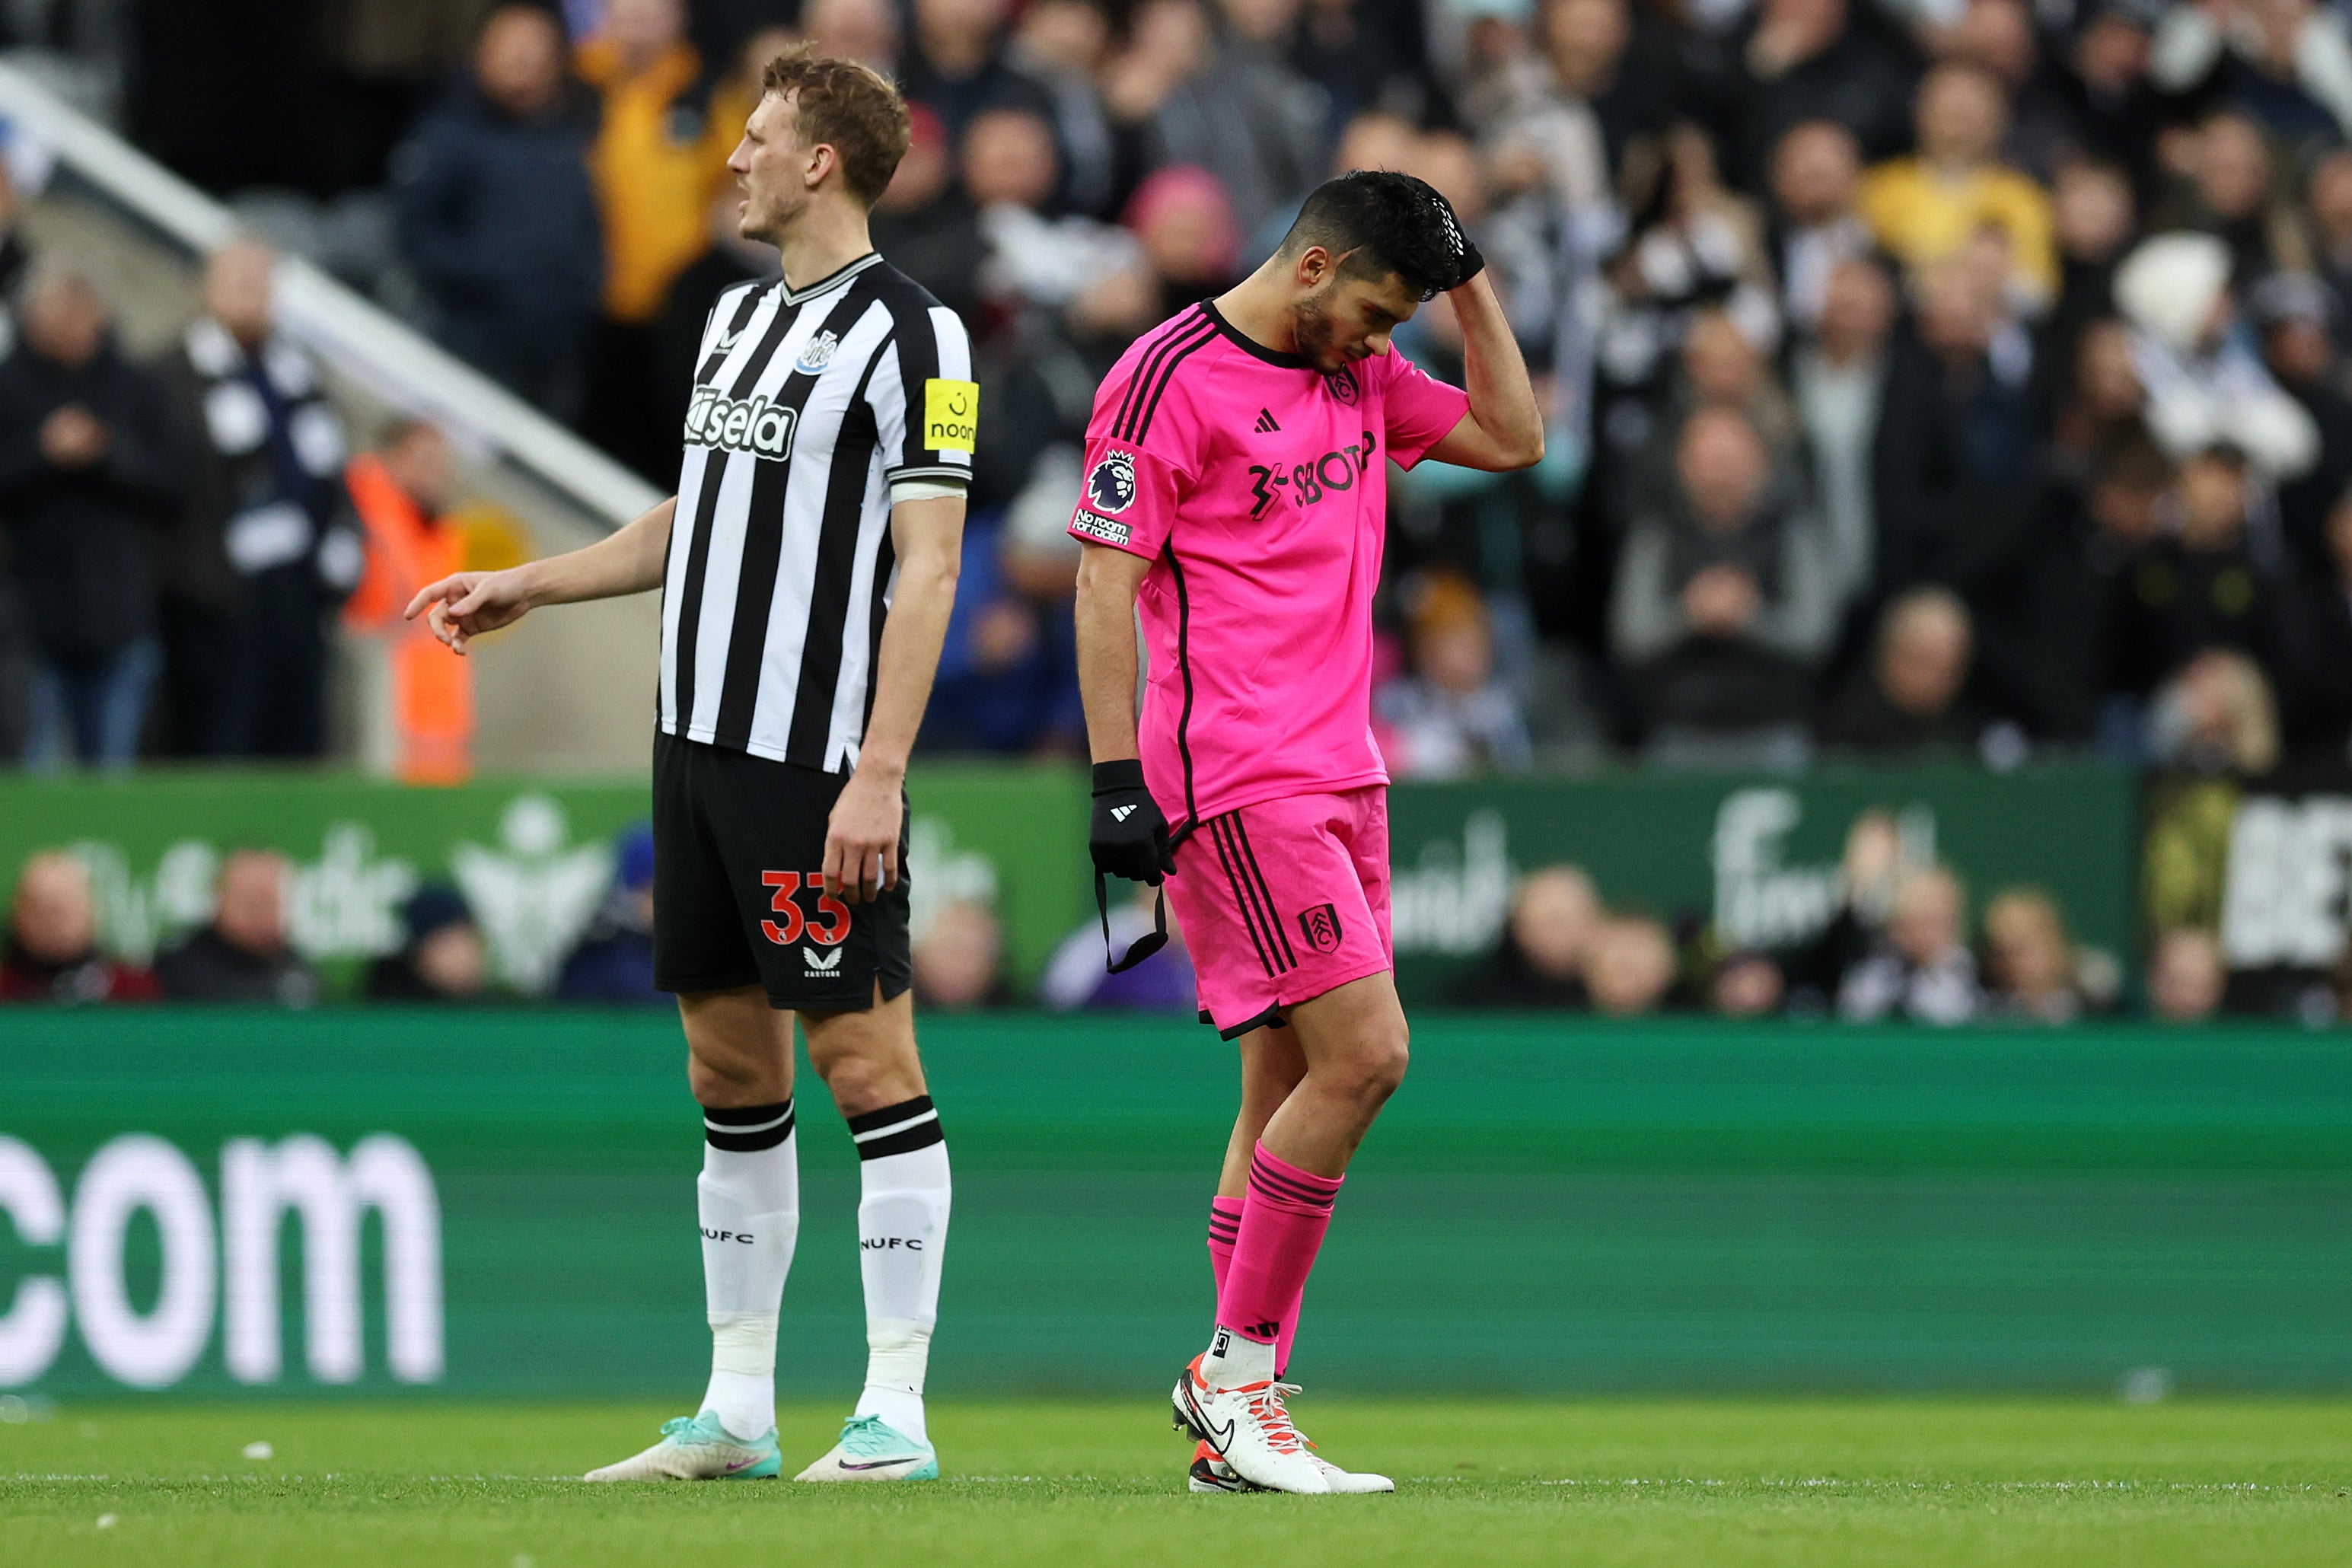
1248,1427
1340,1480
871,1449
1211,1474
697,1449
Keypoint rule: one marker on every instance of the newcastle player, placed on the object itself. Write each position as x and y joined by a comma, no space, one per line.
807,566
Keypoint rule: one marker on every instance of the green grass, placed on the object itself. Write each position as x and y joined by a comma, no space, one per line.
1919,1483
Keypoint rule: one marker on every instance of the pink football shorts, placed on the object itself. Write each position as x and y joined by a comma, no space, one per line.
1283,900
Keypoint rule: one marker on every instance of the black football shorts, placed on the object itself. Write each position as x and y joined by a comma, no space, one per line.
739,885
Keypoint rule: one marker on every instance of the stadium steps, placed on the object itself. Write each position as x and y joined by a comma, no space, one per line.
546,698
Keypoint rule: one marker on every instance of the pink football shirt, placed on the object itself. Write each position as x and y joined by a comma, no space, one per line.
1258,489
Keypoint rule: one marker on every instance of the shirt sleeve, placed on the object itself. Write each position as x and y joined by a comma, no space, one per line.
926,405
1129,488
1421,411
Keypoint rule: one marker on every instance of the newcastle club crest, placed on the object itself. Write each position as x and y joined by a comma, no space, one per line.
1110,488
818,354
1321,927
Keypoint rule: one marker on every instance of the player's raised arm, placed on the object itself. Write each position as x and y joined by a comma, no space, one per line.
464,605
1503,429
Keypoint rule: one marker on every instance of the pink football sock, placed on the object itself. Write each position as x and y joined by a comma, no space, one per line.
1225,1228
1283,1218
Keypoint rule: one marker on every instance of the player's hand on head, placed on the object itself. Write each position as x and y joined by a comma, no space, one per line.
1468,262
861,839
1128,837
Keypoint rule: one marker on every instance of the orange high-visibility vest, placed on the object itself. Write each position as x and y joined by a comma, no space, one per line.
433,689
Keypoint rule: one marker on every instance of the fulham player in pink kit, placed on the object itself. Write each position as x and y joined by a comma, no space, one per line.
1236,495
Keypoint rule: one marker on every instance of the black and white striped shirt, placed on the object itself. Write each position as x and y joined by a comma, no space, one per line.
813,410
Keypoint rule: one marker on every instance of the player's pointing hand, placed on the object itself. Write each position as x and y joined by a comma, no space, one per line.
464,605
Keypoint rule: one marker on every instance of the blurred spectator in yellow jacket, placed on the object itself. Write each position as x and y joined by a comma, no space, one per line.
1925,208
659,156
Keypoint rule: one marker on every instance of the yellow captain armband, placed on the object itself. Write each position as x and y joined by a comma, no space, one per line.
950,414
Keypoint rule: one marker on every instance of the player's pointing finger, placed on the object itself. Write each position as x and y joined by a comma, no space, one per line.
431,593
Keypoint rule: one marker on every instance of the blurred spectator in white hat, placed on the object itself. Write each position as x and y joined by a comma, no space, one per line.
267,546
2204,379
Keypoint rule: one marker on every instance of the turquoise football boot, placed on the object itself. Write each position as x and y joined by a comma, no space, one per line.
698,1448
871,1449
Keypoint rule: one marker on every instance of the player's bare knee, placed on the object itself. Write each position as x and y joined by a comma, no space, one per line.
1383,1065
709,1086
1369,1074
866,1071
730,1082
860,1083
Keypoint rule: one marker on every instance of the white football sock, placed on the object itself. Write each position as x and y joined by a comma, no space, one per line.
902,1229
748,1195
1234,1358
897,1353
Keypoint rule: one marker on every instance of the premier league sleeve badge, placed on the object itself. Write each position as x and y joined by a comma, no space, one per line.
1112,486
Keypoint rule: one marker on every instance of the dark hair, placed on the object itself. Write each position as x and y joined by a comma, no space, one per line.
539,8
1382,222
848,107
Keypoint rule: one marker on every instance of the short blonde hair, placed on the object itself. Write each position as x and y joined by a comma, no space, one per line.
851,108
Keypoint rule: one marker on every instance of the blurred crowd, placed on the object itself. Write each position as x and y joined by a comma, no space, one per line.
178,535
1904,946
245,951
1926,377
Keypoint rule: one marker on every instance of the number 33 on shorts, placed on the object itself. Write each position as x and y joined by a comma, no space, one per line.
829,930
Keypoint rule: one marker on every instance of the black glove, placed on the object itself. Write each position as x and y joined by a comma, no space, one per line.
1129,836
1469,263
1129,839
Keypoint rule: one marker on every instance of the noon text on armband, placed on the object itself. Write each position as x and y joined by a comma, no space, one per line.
754,425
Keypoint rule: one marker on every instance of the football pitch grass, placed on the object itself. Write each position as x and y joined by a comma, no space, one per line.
1921,1483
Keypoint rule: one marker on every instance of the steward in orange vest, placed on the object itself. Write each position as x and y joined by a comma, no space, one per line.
394,490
